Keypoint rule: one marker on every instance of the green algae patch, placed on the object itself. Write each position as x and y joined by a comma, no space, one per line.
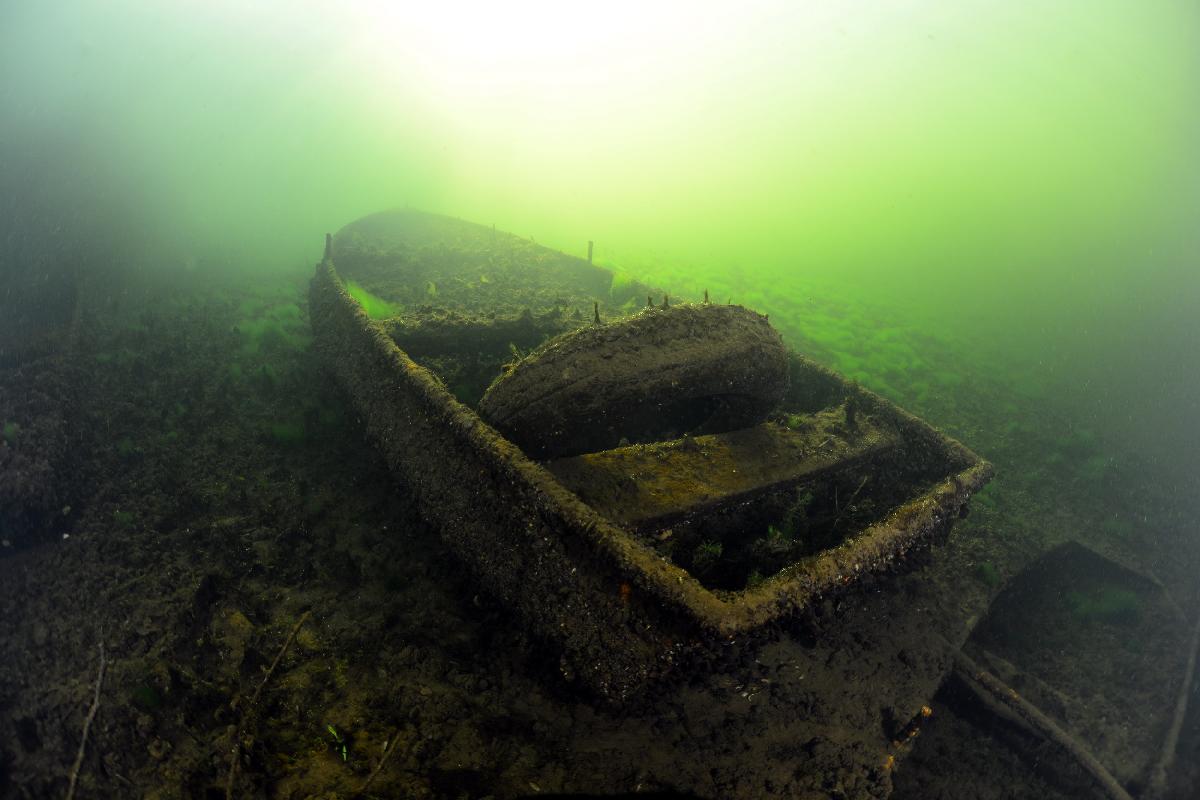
376,307
988,574
270,334
285,312
286,432
1108,604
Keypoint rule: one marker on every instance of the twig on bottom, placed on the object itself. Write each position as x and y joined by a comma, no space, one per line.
87,723
253,705
387,753
993,690
1158,777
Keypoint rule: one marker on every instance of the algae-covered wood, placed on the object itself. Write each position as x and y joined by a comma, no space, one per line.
697,367
648,486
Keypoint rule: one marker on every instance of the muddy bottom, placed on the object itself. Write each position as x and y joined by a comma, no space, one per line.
224,492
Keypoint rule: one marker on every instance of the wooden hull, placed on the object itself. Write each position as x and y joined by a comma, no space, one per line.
620,613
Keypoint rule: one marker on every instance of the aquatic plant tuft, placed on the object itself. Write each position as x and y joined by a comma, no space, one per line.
376,307
338,742
706,556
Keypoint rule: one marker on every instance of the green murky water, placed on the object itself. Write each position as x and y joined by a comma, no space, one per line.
1019,182
985,212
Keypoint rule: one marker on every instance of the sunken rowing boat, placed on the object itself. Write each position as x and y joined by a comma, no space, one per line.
641,481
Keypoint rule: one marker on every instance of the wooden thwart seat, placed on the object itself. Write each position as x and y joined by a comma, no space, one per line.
645,487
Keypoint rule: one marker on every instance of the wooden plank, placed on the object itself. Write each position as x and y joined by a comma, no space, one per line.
639,485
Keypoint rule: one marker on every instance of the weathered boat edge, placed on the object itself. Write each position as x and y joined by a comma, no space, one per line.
918,523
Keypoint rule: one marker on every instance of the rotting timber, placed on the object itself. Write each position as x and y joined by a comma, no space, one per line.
625,595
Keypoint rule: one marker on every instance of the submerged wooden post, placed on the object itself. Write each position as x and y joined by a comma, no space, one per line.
1158,776
328,247
994,693
590,243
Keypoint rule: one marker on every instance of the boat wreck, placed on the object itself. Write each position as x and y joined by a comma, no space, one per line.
633,548
661,490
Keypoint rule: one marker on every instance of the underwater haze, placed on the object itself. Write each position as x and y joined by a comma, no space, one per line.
985,212
1021,179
